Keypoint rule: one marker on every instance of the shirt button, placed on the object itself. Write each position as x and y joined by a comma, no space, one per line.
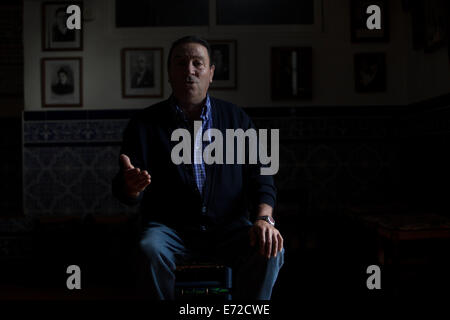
203,228
204,210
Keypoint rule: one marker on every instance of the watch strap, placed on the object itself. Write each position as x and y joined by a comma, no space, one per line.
268,219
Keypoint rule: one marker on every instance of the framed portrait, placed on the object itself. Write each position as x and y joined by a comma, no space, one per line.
436,24
168,13
142,72
370,72
55,34
61,82
359,16
291,72
224,57
429,24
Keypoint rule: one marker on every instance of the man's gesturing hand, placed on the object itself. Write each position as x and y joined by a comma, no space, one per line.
268,237
135,179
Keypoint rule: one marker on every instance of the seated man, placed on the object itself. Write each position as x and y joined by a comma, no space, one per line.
198,209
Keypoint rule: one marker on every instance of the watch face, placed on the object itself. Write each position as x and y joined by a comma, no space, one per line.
268,219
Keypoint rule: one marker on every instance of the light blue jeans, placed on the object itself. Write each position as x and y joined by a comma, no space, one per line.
253,275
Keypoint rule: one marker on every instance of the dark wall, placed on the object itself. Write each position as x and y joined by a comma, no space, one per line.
332,159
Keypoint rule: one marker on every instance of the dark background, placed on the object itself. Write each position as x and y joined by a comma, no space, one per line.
343,156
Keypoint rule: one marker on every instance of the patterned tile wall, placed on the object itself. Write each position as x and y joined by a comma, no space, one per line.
330,162
68,165
426,170
325,162
329,159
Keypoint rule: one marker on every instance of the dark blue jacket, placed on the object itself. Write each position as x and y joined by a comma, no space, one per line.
232,191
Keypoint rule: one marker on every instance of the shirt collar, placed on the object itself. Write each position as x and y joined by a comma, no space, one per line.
206,108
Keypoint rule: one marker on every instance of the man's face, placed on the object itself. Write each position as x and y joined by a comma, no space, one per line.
141,63
61,19
190,72
62,77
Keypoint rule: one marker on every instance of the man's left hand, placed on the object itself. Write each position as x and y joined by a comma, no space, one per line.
268,237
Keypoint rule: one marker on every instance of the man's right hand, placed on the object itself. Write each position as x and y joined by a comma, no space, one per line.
135,179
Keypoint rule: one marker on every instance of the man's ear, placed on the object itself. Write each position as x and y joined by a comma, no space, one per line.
213,67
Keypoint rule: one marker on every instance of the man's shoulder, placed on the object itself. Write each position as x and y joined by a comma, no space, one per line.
229,111
222,104
158,107
154,112
227,108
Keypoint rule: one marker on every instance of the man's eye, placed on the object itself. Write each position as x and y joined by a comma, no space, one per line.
198,63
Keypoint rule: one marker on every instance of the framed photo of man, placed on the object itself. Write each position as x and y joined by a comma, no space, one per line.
430,25
291,73
55,34
142,72
61,82
370,72
224,57
359,30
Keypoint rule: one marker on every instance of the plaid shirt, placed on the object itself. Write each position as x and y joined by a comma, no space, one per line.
198,165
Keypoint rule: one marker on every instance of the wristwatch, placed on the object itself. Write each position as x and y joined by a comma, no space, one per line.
267,219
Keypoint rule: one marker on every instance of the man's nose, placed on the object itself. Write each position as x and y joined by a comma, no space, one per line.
191,68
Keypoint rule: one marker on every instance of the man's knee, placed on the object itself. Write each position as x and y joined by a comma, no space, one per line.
279,259
156,248
153,243
150,247
274,261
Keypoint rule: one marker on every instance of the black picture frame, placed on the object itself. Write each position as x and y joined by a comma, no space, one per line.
169,13
142,72
436,24
291,73
55,36
358,16
370,72
430,24
224,57
61,82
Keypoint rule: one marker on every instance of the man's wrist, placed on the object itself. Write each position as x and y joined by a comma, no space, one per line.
265,213
267,219
132,195
264,210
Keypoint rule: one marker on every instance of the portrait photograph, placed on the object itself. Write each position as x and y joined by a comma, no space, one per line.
142,72
436,24
429,24
224,57
370,72
61,82
359,16
291,73
55,34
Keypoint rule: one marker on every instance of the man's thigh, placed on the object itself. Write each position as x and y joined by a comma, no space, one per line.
159,240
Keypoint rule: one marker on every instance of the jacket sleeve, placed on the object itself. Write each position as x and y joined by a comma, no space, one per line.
133,145
259,188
